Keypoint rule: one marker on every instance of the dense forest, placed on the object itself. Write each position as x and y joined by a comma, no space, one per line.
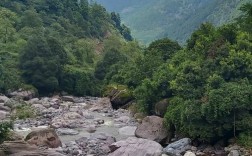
54,45
175,19
80,48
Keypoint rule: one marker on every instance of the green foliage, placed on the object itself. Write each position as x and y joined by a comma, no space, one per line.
245,139
44,37
5,127
79,82
208,83
41,63
24,111
164,47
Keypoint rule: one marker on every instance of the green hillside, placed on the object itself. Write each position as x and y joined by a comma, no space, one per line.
54,45
176,19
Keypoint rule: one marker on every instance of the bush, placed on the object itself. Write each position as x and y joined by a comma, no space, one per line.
4,130
24,111
245,139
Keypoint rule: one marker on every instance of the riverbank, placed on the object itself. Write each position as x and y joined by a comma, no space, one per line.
90,126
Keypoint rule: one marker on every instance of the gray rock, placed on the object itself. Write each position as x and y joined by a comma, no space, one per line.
21,148
44,137
178,147
152,128
133,146
39,107
72,115
234,153
128,130
66,131
33,101
23,94
11,103
3,114
91,129
68,98
3,99
87,115
4,108
188,153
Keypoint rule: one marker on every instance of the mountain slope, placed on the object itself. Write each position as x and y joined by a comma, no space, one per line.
176,19
54,45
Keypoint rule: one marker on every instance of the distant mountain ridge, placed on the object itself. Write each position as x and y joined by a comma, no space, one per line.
176,19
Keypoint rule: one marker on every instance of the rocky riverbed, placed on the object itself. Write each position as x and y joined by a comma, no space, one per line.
88,126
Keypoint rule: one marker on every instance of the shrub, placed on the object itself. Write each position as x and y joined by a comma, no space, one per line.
245,139
24,111
5,127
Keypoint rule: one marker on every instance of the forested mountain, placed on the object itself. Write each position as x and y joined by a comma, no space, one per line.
176,19
54,45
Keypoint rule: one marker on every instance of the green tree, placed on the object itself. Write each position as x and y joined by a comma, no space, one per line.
41,63
164,47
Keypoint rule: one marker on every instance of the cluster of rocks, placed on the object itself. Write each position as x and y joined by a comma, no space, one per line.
88,126
94,145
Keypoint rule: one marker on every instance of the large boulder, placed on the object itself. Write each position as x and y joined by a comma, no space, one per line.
152,128
102,104
161,107
178,147
234,153
23,94
44,137
119,95
22,148
3,99
67,98
133,146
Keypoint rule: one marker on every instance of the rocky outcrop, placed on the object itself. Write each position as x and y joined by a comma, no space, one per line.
161,107
68,98
3,99
135,147
152,128
44,137
67,120
119,95
22,148
179,147
95,145
102,104
23,94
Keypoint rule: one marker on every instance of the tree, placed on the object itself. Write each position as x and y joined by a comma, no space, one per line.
41,63
245,19
30,19
7,20
164,47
